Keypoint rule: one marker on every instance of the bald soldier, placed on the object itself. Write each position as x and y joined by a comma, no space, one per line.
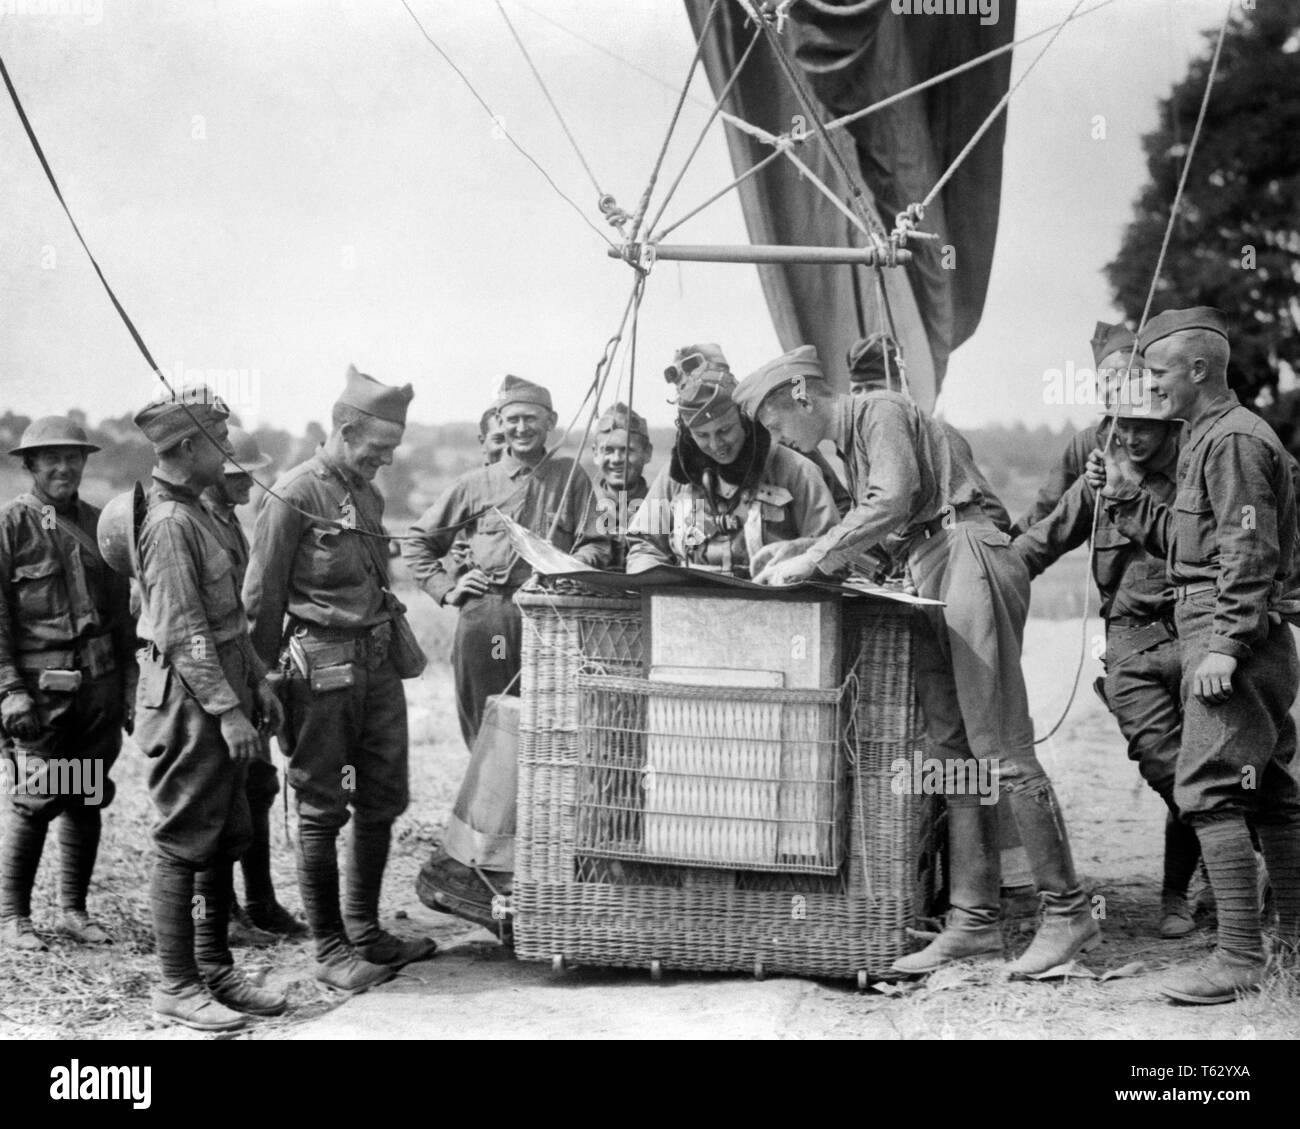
1229,542
318,597
551,497
728,490
201,696
620,450
1143,669
261,909
67,667
914,497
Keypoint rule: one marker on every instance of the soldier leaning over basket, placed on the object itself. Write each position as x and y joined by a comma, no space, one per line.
1143,670
914,497
202,691
620,450
261,910
1229,540
551,497
67,679
317,595
729,489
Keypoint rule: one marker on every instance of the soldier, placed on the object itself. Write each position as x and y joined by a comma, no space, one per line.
552,498
529,487
67,679
1229,541
202,689
914,496
1143,671
317,596
261,912
620,450
491,436
728,490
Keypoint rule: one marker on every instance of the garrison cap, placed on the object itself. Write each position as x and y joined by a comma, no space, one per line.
1175,321
383,401
517,390
1108,339
486,419
52,431
247,453
621,417
871,358
179,414
801,363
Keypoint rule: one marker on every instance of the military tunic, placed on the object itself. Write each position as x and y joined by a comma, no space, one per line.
263,782
486,650
1143,669
63,608
919,495
196,664
1229,540
324,586
676,524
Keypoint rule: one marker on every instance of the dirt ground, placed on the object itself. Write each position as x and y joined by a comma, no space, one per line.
475,988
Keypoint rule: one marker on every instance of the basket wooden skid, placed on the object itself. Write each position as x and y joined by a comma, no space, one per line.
608,912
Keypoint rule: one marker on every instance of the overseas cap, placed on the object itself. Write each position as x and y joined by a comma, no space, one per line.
621,417
182,413
1107,339
866,358
247,453
517,390
786,369
486,420
53,431
1175,321
383,401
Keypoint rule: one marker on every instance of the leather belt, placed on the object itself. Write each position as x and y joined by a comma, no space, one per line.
1183,591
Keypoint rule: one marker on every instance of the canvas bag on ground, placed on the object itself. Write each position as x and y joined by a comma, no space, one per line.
481,831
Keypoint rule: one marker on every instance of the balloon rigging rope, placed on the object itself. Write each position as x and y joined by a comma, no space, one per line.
1128,370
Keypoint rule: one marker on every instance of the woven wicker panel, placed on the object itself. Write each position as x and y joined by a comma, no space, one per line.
710,776
629,913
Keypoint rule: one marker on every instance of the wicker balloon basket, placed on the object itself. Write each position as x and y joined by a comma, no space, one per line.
789,851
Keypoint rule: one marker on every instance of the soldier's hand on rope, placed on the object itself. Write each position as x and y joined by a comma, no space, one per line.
272,710
1212,682
1094,471
790,571
242,741
1121,474
776,552
473,583
19,716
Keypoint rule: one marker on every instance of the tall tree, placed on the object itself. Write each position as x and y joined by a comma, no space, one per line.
1236,244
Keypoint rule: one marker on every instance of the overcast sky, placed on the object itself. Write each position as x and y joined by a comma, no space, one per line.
281,188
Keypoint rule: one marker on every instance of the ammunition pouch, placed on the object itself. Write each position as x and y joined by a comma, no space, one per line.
59,681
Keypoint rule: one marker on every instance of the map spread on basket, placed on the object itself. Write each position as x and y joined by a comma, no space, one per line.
550,561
